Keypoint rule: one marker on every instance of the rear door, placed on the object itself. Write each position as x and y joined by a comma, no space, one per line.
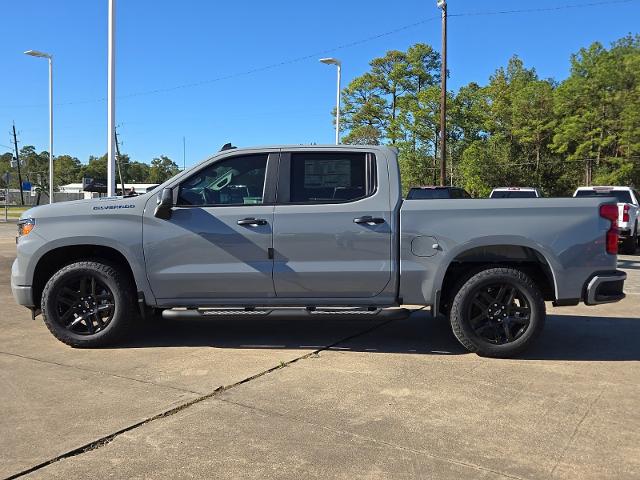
332,225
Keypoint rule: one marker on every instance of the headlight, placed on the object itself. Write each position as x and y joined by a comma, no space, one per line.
25,226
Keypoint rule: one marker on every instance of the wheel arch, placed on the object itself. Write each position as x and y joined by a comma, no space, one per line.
467,261
56,258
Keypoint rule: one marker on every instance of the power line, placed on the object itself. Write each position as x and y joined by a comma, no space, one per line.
250,71
332,50
541,9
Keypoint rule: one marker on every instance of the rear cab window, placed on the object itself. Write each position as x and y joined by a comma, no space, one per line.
514,194
622,196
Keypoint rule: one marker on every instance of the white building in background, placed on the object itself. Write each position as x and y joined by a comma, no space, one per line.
78,188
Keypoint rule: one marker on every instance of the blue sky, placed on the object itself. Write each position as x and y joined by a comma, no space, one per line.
163,44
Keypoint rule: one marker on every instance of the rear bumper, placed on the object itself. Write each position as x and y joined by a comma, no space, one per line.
605,288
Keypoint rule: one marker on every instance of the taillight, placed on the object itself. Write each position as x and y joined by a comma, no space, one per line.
625,213
610,212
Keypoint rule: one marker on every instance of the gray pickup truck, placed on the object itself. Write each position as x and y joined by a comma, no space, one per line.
313,230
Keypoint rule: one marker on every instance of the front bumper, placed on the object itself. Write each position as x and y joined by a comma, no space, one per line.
605,288
22,293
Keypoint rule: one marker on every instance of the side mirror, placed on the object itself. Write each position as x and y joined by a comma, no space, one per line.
165,204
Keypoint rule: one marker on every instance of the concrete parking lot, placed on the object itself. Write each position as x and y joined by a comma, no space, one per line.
322,399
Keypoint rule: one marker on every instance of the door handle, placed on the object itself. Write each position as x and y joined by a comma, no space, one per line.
368,219
252,221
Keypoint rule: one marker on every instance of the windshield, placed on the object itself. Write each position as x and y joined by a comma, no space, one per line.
514,194
623,196
428,193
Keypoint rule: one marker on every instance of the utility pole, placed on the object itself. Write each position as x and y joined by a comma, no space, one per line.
15,145
184,153
118,159
588,176
442,4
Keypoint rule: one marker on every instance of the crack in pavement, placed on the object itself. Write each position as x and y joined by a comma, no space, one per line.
102,441
576,429
367,438
100,372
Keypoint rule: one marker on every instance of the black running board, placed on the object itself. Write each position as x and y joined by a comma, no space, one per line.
285,313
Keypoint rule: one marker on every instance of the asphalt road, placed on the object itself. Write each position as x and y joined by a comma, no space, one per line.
322,399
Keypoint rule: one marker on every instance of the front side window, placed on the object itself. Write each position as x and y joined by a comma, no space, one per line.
330,177
234,181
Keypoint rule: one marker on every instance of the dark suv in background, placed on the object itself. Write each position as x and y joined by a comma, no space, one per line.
434,193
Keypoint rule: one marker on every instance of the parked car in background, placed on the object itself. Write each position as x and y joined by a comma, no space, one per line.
515,192
433,193
628,212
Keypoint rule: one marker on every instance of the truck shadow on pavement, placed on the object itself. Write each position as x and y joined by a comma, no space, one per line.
565,337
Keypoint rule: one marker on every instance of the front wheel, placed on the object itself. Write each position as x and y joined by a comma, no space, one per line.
88,304
498,312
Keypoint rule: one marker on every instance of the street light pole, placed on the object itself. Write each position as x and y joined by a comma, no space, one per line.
50,129
337,63
111,103
35,53
442,4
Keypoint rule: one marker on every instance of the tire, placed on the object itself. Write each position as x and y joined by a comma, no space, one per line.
105,308
493,322
628,246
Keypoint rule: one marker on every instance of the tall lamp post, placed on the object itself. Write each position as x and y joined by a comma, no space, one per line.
442,4
336,62
35,53
111,102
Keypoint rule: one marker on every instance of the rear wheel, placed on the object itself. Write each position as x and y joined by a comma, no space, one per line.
89,304
498,312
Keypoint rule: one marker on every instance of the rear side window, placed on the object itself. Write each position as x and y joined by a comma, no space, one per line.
331,177
622,196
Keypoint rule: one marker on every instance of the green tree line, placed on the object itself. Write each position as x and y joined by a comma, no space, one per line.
68,169
517,130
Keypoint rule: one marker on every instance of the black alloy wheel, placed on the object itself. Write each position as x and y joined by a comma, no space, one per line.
499,313
90,303
84,305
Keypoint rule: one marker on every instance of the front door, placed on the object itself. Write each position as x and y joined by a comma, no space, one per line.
332,230
216,244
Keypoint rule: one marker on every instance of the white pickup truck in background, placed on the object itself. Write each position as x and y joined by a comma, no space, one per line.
628,212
